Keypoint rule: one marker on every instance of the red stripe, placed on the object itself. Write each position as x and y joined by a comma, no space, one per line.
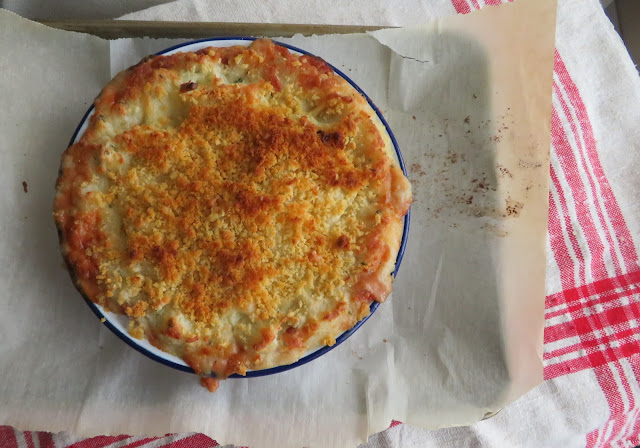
604,374
140,442
611,392
559,332
29,439
598,268
635,429
610,244
461,6
635,368
626,350
586,326
394,423
475,4
98,442
598,287
616,319
196,440
561,351
588,338
564,210
628,433
592,438
623,236
617,422
559,247
46,440
609,319
589,341
602,299
579,325
621,432
587,361
8,437
567,160
567,367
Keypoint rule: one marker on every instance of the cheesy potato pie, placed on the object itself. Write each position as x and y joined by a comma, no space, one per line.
242,205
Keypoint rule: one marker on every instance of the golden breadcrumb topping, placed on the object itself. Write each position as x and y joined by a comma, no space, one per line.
241,205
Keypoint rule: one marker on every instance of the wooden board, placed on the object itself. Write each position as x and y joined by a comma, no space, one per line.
114,29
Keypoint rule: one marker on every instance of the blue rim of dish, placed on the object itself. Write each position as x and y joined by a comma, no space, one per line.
344,336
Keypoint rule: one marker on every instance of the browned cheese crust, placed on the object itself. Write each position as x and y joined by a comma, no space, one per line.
241,205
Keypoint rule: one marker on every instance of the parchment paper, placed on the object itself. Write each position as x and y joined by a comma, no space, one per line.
469,100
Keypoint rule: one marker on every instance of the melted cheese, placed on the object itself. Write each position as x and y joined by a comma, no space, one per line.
241,205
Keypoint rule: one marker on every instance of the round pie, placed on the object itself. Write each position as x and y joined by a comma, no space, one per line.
241,205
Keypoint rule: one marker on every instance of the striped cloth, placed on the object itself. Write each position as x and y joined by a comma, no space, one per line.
11,438
591,394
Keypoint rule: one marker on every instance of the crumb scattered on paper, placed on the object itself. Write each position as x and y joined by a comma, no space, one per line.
210,384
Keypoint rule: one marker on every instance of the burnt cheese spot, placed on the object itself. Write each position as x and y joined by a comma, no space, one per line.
188,86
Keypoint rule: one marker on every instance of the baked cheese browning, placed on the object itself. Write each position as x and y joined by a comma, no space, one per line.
241,205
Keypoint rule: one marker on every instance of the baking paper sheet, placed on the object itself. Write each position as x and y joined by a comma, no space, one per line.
469,100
